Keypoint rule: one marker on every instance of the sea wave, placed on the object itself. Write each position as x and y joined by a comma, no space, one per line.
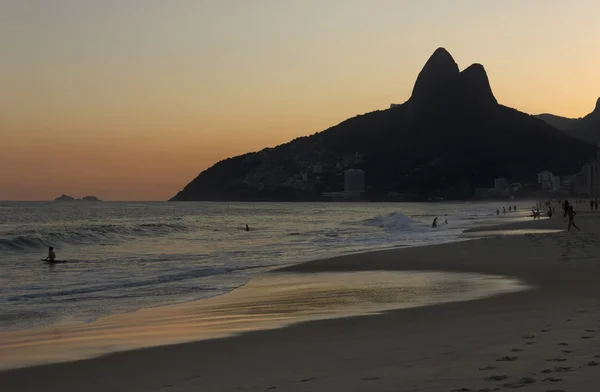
395,222
86,234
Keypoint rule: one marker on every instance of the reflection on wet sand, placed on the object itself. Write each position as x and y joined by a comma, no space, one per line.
269,301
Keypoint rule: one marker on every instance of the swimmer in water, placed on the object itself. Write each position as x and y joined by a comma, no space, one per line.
247,228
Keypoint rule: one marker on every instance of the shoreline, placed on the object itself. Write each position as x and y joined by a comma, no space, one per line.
563,279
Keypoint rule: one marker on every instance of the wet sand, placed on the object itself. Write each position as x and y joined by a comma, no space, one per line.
544,338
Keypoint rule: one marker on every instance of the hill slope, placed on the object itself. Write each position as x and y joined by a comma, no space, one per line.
586,128
450,137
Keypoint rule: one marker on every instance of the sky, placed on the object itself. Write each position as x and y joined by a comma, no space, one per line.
132,99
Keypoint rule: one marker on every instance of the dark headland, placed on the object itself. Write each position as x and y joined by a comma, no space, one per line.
585,128
450,138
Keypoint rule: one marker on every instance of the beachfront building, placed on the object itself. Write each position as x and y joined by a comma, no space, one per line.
354,181
548,182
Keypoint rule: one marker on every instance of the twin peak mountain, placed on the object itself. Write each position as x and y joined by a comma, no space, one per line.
449,138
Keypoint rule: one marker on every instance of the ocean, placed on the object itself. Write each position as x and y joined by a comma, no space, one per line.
125,256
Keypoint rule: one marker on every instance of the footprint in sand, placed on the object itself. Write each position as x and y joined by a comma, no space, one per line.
516,350
461,390
308,379
558,369
592,363
563,344
557,360
553,379
496,378
527,380
589,330
566,351
587,337
529,343
544,330
375,378
488,368
506,358
528,337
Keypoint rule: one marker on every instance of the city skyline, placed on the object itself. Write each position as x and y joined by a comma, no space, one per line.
131,100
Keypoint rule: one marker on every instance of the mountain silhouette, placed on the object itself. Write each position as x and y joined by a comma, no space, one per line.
586,128
449,138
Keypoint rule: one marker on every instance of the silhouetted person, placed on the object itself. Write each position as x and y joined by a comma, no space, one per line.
51,255
596,203
434,224
446,221
549,212
497,212
509,208
515,208
504,210
572,214
592,204
565,207
247,228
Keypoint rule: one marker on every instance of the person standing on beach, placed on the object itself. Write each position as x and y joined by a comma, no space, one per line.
571,214
596,204
497,211
504,210
550,212
434,224
565,207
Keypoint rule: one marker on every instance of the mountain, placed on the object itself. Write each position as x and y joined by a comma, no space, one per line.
449,138
586,128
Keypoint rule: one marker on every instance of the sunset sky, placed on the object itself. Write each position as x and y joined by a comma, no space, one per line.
131,99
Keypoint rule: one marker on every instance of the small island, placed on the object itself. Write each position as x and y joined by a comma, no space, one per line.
64,197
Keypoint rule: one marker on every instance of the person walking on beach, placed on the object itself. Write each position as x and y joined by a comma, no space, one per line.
571,214
434,224
504,210
550,212
497,211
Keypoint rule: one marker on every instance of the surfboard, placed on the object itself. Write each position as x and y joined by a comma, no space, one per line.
54,261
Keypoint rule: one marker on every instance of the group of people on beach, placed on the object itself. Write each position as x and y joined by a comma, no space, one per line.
510,209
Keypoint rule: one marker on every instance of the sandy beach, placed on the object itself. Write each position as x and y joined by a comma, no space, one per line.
545,338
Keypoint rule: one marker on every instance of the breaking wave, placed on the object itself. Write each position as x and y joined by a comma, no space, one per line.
395,222
88,234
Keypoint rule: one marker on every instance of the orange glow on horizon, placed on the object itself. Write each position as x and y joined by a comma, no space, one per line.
131,100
